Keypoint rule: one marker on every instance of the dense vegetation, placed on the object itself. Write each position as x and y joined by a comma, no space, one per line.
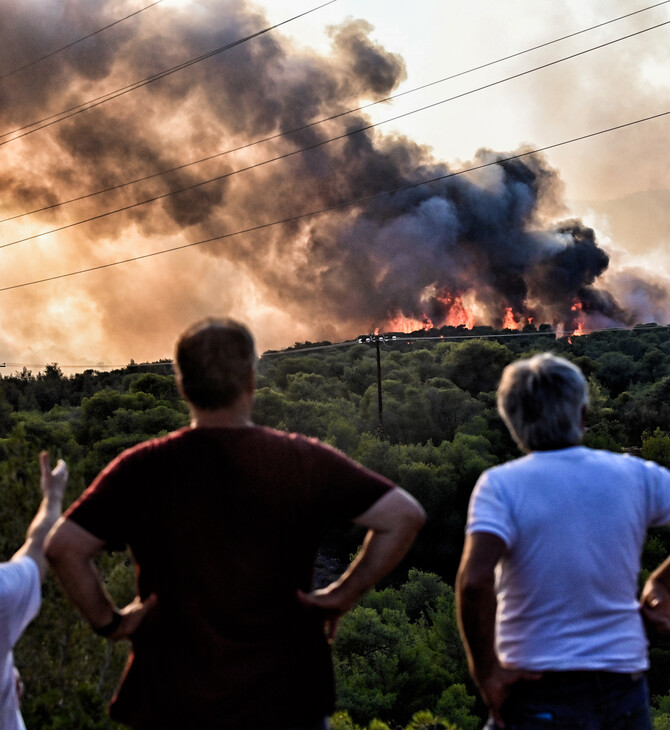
398,657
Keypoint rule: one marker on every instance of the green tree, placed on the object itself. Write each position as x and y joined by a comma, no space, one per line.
456,705
342,721
398,651
425,720
6,416
653,366
656,447
162,387
615,371
476,365
448,407
660,713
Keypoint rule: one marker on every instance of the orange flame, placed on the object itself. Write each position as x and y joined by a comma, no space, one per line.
458,314
509,323
408,324
578,307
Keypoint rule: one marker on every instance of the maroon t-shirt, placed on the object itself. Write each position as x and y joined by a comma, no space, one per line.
224,525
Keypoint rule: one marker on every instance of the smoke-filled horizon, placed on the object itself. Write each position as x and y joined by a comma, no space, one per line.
500,246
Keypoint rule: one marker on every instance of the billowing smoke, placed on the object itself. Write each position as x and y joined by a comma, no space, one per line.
489,247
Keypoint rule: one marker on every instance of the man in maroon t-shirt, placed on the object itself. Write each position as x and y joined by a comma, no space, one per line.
224,520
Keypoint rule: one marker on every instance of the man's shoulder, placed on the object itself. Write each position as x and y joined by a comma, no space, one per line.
256,436
289,440
624,461
156,443
575,459
263,441
292,448
506,467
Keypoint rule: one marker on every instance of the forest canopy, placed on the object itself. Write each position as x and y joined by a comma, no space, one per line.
423,415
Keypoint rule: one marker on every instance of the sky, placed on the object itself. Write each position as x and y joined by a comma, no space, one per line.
347,236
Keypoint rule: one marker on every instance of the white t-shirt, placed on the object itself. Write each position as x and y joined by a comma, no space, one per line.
574,522
20,596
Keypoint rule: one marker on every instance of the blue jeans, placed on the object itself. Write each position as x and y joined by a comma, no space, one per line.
578,701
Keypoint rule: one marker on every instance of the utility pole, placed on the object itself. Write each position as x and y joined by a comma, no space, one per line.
380,406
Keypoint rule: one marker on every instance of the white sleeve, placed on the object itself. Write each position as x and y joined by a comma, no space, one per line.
20,597
488,511
657,480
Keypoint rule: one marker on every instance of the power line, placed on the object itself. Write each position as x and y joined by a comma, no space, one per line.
322,143
337,206
92,103
326,119
88,366
79,40
418,338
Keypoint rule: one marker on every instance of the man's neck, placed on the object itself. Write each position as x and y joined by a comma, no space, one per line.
237,416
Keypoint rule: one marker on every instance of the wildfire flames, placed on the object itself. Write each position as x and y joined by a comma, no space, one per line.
384,250
578,308
459,315
509,323
549,278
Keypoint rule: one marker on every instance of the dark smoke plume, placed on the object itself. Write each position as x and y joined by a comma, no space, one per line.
476,248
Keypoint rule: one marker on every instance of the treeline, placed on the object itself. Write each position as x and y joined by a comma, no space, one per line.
398,657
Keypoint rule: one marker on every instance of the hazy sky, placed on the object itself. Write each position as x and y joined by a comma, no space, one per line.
490,241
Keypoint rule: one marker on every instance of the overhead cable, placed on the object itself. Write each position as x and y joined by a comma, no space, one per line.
79,40
466,335
338,206
418,338
326,119
322,143
92,103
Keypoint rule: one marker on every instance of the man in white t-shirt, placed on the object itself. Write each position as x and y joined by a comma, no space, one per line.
20,588
547,587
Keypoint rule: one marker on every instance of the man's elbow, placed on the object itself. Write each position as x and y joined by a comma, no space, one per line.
416,517
54,547
396,512
409,516
68,545
472,585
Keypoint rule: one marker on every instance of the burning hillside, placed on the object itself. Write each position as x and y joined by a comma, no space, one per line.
472,252
327,249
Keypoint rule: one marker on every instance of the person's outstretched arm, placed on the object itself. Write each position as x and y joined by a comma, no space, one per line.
70,550
393,522
52,485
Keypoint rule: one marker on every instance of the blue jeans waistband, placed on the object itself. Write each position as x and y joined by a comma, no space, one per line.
579,700
585,675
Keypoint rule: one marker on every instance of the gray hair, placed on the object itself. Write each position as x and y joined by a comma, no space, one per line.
541,399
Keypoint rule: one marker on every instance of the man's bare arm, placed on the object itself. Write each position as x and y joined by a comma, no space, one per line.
393,522
476,606
70,550
52,485
476,601
655,599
